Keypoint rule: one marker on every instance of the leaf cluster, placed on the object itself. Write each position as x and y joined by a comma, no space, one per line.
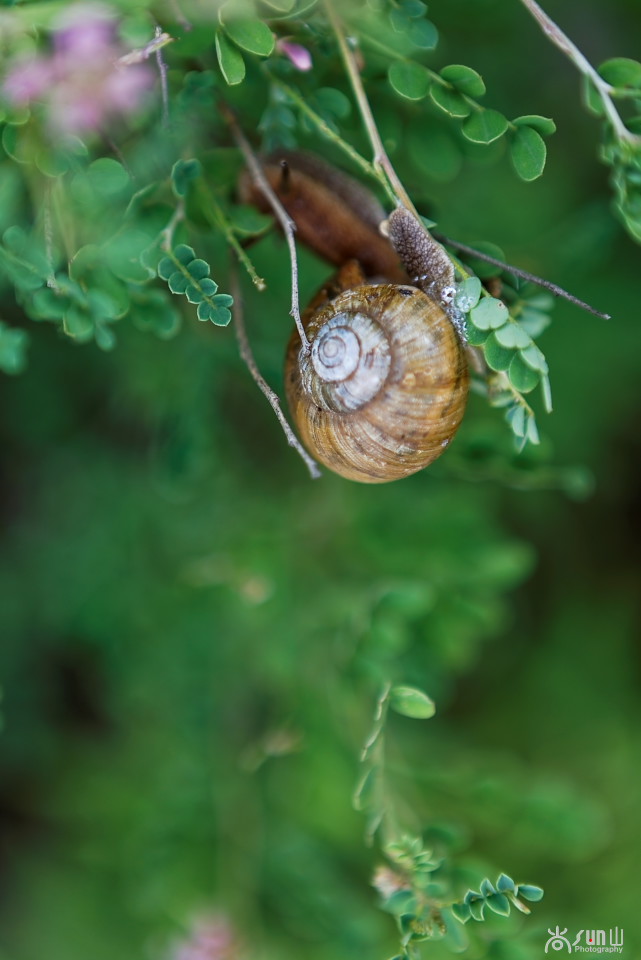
188,275
499,898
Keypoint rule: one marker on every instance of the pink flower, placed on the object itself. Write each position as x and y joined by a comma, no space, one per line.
299,55
211,938
80,84
28,80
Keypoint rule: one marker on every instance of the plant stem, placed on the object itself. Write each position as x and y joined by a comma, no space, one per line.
563,42
213,212
381,160
367,167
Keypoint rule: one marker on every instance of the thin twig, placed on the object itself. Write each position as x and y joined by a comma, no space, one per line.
539,281
143,53
563,42
283,217
162,70
250,362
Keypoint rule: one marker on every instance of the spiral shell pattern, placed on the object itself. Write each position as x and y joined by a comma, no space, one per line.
383,389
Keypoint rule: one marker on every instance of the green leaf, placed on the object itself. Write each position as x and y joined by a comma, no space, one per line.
543,125
505,884
477,909
78,324
515,416
223,300
409,79
251,35
413,8
487,887
592,98
107,176
183,173
468,294
490,314
208,286
178,282
184,254
464,79
499,903
166,268
535,358
335,101
532,433
530,892
534,322
513,336
497,356
621,72
423,34
449,100
474,336
198,269
482,268
528,152
194,294
461,911
485,126
230,60
547,393
521,376
13,349
401,901
412,702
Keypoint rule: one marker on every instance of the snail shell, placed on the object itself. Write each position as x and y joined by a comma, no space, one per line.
383,389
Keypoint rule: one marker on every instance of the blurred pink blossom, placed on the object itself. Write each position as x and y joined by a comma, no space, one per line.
211,938
299,55
80,84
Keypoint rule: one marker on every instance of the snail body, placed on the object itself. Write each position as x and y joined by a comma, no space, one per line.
381,388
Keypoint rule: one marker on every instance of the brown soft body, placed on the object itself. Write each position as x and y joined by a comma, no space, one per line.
334,214
417,408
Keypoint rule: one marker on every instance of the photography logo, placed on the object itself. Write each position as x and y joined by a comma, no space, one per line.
586,941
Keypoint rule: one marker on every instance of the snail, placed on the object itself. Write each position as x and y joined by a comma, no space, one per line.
383,387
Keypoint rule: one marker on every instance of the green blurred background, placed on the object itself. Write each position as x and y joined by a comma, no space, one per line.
194,633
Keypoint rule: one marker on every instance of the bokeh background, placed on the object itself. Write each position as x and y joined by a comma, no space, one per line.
193,633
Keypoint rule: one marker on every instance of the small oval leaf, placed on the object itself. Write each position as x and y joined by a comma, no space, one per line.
251,35
451,101
230,60
464,79
524,378
543,125
528,153
409,79
485,127
412,702
621,72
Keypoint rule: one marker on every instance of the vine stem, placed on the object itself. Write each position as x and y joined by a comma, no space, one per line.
214,213
248,358
563,42
281,214
381,159
167,235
